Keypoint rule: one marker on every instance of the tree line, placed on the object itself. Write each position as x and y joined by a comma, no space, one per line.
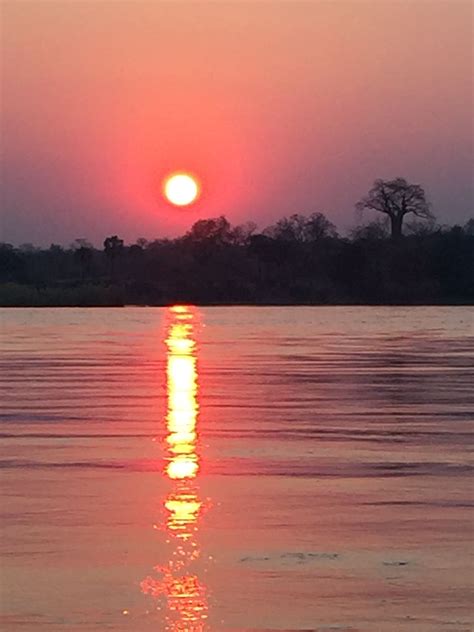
300,259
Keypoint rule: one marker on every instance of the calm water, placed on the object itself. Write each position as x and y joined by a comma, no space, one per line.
237,469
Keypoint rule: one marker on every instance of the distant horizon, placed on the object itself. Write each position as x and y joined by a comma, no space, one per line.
98,242
343,230
360,220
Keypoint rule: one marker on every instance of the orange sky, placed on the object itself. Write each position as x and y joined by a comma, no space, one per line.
280,107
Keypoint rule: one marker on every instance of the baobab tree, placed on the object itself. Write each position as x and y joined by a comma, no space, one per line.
396,198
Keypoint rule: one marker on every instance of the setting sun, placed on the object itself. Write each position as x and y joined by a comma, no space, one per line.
181,189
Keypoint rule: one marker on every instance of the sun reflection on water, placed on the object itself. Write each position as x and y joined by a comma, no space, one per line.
177,582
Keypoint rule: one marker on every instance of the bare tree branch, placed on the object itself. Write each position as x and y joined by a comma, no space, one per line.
396,198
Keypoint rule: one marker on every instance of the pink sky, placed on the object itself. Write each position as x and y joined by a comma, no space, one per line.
279,107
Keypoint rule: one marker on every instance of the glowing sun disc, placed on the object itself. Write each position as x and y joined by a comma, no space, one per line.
181,189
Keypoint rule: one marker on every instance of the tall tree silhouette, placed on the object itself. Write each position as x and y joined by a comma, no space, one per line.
396,198
83,253
113,248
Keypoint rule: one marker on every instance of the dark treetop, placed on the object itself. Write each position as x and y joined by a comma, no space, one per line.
299,260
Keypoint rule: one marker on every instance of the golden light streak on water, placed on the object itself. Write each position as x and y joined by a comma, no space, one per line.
177,582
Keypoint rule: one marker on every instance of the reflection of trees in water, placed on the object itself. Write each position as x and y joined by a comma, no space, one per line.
177,582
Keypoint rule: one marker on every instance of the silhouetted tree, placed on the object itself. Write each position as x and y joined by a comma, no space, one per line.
396,198
216,230
373,231
11,264
27,247
288,228
83,253
421,228
113,248
298,259
469,227
319,227
242,234
299,228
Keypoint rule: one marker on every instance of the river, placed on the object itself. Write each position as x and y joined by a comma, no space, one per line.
237,468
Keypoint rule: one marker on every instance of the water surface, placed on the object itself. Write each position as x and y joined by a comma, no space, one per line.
206,469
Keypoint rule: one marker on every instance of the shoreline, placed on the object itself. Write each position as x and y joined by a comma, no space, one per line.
90,295
238,304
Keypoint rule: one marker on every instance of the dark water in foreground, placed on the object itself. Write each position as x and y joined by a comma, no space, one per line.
237,469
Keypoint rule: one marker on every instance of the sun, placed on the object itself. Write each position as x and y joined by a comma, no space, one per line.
181,189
